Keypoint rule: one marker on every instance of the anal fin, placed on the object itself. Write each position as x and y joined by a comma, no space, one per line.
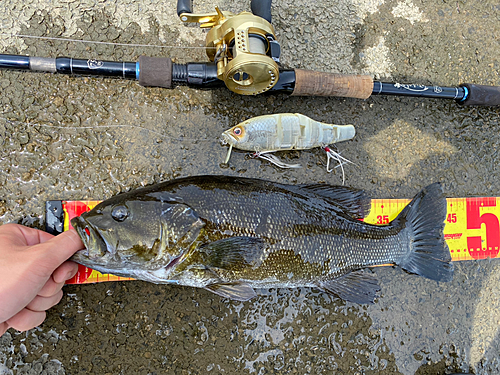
238,291
357,286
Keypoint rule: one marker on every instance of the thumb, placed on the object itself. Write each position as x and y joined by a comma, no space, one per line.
57,250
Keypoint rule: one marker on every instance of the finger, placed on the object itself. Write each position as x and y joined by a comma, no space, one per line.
40,303
65,272
3,328
58,249
50,288
26,319
31,236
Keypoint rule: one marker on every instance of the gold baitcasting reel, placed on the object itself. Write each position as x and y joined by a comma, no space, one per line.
243,46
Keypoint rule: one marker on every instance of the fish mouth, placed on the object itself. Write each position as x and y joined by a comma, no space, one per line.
95,246
227,138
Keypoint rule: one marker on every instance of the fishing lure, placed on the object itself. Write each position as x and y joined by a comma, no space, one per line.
286,131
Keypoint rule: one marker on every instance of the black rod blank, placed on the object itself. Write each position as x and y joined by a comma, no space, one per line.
68,65
401,89
204,75
14,62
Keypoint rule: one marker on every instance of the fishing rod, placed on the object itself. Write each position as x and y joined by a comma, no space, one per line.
244,56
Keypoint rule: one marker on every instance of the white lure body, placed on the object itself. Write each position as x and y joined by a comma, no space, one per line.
285,131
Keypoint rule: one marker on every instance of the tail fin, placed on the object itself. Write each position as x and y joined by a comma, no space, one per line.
428,253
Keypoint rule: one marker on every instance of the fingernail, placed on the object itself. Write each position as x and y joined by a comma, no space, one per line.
72,273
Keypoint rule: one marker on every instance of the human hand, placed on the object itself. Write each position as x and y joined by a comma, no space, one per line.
33,268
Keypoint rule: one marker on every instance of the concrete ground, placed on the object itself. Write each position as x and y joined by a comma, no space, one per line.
65,137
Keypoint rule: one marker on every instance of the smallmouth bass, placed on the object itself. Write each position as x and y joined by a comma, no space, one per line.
230,235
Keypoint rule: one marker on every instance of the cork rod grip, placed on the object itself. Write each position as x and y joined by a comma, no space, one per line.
311,83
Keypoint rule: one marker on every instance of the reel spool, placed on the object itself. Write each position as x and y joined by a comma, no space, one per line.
244,48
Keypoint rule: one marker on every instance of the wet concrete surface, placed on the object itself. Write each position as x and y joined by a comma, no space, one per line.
65,137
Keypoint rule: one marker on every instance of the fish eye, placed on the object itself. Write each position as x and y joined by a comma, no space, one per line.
120,213
237,131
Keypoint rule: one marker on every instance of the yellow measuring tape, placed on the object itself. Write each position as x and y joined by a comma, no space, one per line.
472,229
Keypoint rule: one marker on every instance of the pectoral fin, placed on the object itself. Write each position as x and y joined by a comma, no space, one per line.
234,253
357,286
237,291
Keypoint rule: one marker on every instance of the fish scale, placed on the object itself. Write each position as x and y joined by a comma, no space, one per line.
235,234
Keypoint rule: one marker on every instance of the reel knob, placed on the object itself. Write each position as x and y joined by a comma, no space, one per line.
250,71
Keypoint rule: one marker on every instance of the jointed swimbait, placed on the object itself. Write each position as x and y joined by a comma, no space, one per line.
286,131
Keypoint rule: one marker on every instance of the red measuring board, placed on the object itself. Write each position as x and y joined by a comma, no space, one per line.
472,229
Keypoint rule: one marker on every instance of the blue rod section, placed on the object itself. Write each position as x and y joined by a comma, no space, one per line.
466,94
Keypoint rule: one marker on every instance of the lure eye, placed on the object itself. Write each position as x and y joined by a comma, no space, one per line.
120,213
237,131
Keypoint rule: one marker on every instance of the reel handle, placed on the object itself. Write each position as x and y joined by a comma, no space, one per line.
262,8
184,6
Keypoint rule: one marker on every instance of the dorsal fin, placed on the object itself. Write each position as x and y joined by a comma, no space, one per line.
354,201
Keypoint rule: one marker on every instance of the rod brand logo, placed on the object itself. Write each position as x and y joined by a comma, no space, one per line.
94,64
